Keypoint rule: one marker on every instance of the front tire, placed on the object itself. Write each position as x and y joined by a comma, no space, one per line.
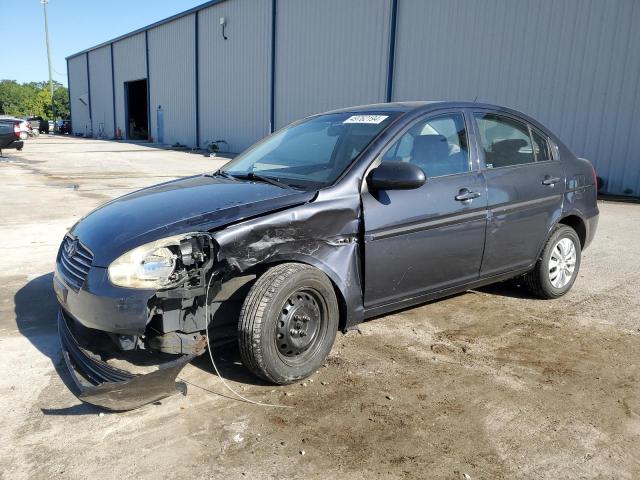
557,269
288,323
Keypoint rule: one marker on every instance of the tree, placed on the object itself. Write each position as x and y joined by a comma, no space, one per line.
33,99
61,101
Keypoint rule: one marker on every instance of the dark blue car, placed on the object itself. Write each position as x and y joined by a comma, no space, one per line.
332,220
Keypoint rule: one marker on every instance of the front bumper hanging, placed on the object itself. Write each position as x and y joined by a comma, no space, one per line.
112,388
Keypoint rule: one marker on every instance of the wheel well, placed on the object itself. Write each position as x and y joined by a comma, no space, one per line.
578,225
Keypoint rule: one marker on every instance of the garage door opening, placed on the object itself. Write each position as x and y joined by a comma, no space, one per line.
137,110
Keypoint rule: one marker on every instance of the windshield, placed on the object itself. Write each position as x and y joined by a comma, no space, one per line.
313,153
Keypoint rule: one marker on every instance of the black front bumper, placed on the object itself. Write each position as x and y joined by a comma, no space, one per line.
112,388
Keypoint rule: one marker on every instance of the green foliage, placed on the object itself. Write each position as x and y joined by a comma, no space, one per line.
33,99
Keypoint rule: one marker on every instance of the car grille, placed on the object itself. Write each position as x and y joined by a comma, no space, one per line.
74,261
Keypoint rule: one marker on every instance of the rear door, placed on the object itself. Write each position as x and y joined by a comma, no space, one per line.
525,186
427,239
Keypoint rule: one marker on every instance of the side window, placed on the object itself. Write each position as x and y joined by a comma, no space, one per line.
541,147
438,145
505,141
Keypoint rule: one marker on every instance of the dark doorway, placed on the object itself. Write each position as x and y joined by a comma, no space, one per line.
137,110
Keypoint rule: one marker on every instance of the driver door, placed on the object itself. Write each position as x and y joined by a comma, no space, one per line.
430,238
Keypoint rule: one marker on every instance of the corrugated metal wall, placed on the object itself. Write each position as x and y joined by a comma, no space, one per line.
79,92
172,78
130,63
235,73
572,64
101,92
329,54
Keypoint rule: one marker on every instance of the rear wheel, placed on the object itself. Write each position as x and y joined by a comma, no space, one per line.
557,269
288,323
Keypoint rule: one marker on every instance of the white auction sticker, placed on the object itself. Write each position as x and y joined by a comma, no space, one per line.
366,119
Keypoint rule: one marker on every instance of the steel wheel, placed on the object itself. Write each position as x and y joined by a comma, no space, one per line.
288,323
562,262
298,328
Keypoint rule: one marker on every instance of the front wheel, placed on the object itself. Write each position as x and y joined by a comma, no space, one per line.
288,323
557,269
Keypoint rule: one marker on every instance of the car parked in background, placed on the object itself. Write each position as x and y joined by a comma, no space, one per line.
337,218
39,124
10,134
64,127
23,126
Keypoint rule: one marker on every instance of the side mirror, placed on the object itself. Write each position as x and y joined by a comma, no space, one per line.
396,176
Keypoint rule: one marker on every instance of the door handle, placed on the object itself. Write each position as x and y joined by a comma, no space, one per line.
465,195
550,181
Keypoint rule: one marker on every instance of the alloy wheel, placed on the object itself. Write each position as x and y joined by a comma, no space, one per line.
562,263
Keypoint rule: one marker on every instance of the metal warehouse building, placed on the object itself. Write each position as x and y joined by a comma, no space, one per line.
235,70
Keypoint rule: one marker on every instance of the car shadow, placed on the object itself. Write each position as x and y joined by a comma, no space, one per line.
510,288
229,364
36,308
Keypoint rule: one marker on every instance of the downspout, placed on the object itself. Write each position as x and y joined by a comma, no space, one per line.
272,106
113,92
197,49
392,49
89,93
146,49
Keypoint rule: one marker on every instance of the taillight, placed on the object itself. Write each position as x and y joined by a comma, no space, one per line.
16,129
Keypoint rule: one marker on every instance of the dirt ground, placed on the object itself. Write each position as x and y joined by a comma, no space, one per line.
488,384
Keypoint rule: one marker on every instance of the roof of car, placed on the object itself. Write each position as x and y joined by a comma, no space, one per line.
414,105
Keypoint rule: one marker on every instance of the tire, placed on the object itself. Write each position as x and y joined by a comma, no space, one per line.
546,282
288,323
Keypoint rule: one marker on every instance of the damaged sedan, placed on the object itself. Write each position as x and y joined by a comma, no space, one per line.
332,220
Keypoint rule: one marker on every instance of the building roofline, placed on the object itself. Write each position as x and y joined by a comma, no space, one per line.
197,8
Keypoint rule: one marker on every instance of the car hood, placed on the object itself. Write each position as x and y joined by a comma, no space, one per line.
199,203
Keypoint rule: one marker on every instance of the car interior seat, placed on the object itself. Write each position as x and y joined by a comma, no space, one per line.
507,152
431,153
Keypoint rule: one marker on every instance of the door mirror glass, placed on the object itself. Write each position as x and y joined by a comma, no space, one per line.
396,176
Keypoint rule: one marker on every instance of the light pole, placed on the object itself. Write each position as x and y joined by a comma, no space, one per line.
46,33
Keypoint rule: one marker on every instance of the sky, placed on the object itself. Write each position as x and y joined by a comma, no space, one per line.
73,26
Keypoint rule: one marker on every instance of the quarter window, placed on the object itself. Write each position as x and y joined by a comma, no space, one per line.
505,142
437,145
541,147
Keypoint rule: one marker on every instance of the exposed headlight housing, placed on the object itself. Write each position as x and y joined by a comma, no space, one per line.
153,265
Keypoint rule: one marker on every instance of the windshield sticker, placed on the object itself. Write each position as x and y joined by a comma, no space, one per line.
375,119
